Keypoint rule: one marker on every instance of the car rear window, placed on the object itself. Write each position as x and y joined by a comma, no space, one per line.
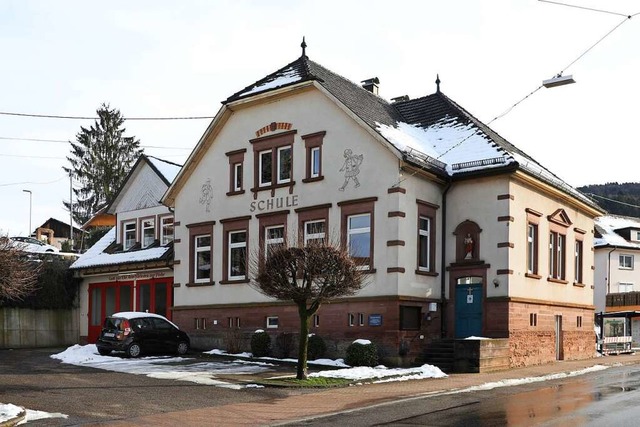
113,323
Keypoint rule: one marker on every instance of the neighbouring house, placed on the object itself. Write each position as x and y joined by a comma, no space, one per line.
617,277
56,232
100,219
131,267
462,233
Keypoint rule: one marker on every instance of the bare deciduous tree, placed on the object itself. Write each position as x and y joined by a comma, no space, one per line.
308,276
18,275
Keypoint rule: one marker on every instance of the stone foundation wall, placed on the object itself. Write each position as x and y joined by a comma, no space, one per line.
26,328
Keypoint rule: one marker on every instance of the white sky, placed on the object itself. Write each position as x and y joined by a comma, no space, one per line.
168,58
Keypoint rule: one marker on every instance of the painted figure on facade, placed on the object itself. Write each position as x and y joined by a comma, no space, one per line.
351,168
206,194
468,247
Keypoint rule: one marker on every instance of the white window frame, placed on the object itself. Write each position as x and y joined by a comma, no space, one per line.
232,246
577,260
424,233
315,164
314,236
316,320
126,231
532,236
623,264
197,248
351,319
361,319
355,231
272,241
148,224
279,164
260,156
557,248
272,322
624,287
166,223
237,176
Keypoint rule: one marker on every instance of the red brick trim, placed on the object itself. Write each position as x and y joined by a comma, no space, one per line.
356,201
177,240
504,271
395,270
579,230
176,285
506,197
312,208
505,218
533,276
394,214
272,127
579,285
270,137
533,212
426,273
268,214
201,224
395,242
198,285
176,223
506,245
539,302
560,282
424,203
231,153
176,262
237,218
396,190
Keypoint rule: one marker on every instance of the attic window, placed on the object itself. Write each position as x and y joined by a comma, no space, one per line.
129,235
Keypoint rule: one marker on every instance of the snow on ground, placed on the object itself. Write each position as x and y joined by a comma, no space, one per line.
383,374
9,412
337,363
162,367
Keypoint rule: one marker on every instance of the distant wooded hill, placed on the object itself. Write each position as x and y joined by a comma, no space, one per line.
616,199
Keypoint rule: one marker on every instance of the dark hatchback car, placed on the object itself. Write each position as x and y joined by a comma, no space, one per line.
138,333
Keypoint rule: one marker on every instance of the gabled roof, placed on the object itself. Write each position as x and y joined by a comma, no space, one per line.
608,226
432,132
167,171
99,255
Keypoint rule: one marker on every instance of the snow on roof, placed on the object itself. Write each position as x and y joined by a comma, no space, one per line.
96,256
442,141
607,225
287,76
167,169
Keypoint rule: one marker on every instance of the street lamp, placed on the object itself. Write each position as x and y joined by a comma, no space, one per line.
30,204
558,80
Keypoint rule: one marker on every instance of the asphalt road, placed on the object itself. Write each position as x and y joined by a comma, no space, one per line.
604,398
32,379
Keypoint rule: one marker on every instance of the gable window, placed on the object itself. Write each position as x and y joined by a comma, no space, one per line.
313,148
129,235
357,230
557,255
202,248
148,232
236,169
265,169
284,165
626,262
273,161
200,253
166,230
314,232
578,261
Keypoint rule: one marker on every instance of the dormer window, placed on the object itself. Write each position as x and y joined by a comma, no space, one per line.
148,232
128,235
636,235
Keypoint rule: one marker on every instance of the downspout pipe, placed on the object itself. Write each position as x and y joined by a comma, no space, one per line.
443,282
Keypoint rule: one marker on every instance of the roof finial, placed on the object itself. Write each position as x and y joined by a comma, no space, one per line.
437,83
303,45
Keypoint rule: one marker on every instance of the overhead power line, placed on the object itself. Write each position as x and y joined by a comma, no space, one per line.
613,200
55,116
66,142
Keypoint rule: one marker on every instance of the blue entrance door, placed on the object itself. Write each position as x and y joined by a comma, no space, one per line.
468,308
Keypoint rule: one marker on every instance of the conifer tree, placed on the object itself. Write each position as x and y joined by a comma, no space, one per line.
100,159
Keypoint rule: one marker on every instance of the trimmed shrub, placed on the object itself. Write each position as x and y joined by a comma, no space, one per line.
260,343
316,347
361,354
233,341
285,343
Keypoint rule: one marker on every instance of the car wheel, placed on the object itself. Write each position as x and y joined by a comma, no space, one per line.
134,350
104,352
183,348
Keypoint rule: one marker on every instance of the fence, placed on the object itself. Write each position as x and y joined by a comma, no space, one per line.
27,328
